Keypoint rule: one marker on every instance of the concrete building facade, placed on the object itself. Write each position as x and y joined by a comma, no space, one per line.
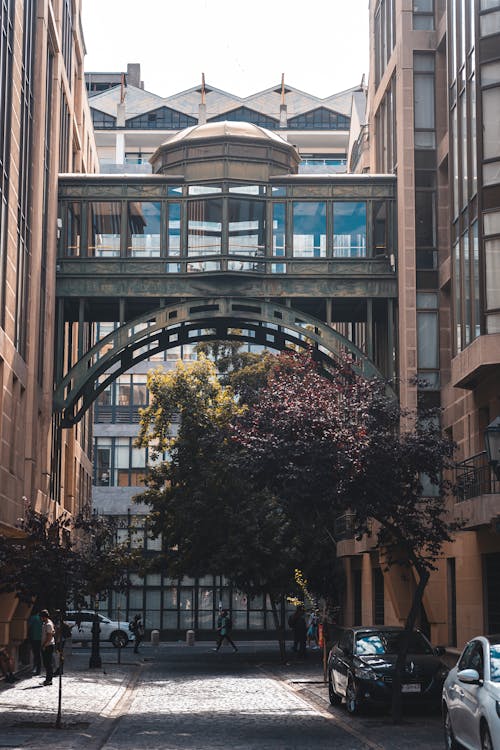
45,128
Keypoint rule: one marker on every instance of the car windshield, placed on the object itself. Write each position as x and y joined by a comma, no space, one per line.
387,642
495,662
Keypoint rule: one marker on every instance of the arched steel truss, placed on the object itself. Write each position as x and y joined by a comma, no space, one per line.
253,320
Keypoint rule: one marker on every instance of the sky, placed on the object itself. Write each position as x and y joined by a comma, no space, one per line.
320,45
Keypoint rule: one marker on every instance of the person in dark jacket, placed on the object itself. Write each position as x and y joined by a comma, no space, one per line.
137,629
224,626
297,622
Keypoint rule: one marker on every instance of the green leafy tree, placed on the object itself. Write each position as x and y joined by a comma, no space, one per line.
57,562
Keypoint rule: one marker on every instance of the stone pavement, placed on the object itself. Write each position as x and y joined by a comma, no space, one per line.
189,698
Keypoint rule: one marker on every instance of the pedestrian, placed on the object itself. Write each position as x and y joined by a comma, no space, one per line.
297,622
64,641
7,664
48,645
35,639
224,626
137,629
312,631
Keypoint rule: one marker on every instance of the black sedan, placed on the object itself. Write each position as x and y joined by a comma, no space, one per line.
361,668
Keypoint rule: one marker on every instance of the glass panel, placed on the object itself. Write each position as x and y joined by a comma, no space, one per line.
256,620
491,222
173,267
424,101
103,461
492,251
124,390
279,228
379,227
246,227
487,4
475,280
490,24
309,230
73,229
177,190
122,456
278,267
135,599
104,229
204,227
467,291
186,619
427,300
174,230
491,118
203,189
427,340
170,597
349,230
239,618
279,191
423,23
490,73
240,265
206,599
207,265
493,324
491,173
153,599
144,229
170,620
248,189
205,620
425,220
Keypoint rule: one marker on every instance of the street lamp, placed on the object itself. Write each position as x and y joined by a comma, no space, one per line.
492,443
95,657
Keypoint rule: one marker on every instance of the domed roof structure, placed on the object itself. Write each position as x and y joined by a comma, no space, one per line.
223,149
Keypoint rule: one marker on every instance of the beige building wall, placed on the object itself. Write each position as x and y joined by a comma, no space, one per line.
61,137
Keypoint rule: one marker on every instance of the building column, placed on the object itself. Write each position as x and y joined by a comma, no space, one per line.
120,148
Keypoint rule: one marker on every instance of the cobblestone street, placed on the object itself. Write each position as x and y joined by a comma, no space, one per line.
181,698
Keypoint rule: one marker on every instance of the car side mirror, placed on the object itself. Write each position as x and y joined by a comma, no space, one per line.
439,651
469,676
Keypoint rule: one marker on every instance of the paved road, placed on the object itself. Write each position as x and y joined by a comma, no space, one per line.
181,698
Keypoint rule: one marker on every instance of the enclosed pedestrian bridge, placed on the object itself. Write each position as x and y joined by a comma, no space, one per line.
224,240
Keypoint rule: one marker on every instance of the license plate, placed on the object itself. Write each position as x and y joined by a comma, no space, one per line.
411,688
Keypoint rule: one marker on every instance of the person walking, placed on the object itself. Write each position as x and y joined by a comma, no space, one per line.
137,629
48,645
224,626
297,622
35,639
312,630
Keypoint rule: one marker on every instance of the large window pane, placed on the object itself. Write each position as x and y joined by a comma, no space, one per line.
425,220
174,229
492,248
73,229
246,227
428,357
104,228
144,229
279,229
309,230
491,119
204,227
349,229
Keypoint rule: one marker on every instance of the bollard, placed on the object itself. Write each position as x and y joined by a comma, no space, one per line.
155,637
189,637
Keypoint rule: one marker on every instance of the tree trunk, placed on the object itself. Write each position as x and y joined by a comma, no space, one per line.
396,707
279,630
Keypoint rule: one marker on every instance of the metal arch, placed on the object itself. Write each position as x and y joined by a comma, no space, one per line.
261,322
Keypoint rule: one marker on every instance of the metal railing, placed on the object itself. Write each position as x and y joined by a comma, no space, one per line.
475,477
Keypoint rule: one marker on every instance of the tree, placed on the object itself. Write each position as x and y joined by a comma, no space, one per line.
209,513
63,560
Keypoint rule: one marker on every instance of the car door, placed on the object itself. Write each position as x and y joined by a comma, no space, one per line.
342,660
464,704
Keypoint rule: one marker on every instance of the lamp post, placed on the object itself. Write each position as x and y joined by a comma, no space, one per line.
95,660
492,444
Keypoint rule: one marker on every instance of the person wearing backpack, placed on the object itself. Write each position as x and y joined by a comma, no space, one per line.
224,626
137,629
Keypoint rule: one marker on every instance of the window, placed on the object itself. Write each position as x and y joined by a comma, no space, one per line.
309,229
246,227
6,60
244,114
204,227
424,101
319,119
144,229
279,212
423,15
104,229
349,229
163,118
102,120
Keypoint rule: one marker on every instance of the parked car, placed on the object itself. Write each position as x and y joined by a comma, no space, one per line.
361,668
471,697
81,626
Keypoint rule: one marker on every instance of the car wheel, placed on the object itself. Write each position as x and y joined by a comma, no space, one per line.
486,743
352,701
119,639
334,697
449,736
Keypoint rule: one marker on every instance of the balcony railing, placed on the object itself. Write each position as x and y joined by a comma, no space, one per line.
474,477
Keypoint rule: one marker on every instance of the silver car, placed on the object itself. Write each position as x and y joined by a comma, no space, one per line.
81,622
471,697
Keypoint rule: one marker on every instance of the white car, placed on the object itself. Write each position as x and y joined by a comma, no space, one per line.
81,622
471,697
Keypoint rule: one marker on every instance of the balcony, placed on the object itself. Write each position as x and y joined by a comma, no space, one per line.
478,492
